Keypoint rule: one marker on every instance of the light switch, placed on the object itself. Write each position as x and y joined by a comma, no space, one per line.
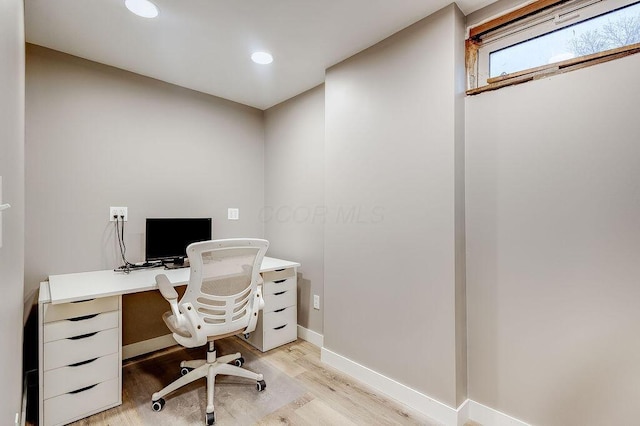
233,214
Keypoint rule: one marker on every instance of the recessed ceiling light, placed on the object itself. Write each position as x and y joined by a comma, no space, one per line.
143,8
262,58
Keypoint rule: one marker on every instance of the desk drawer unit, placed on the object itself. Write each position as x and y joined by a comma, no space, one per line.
80,360
277,322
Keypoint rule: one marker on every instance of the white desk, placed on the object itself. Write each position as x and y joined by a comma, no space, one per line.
80,333
90,285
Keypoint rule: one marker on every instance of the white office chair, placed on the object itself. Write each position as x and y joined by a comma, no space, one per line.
222,299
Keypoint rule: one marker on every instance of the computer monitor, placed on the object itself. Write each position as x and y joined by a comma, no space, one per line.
167,238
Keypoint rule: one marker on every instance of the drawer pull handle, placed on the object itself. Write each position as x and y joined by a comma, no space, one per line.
83,389
86,317
82,301
279,281
279,293
280,270
82,336
280,328
78,364
280,310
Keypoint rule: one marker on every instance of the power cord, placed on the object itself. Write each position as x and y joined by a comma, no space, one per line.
126,265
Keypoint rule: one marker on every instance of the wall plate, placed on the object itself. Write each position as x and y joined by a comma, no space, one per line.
118,211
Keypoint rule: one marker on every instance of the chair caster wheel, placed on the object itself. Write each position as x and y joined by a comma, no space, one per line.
246,336
185,370
261,385
210,418
157,405
239,362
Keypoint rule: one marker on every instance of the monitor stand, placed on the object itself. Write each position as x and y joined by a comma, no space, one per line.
176,264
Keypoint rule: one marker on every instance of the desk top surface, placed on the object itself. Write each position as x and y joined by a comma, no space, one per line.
89,285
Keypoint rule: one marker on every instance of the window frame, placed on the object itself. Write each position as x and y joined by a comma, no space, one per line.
534,20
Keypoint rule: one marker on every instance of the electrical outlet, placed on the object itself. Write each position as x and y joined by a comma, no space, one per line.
316,301
118,211
233,214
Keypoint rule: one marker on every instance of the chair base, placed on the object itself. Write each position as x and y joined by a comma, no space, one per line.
196,369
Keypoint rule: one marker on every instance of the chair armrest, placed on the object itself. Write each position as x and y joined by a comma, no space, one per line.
171,295
165,287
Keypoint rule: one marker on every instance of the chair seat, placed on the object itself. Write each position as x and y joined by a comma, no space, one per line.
171,322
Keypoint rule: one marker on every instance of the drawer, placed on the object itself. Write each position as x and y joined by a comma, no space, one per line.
80,325
80,309
274,320
69,351
280,274
67,407
279,294
66,379
279,328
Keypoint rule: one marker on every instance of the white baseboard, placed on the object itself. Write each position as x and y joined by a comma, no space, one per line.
463,413
396,390
310,336
487,416
438,411
146,346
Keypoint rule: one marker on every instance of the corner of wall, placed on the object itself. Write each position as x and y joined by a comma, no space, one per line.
460,215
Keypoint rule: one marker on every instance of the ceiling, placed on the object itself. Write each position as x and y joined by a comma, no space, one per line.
205,45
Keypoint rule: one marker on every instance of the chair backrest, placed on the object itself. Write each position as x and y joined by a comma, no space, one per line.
223,282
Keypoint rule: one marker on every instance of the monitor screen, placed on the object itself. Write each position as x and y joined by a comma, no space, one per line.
168,238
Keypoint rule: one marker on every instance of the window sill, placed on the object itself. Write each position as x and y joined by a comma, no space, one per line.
556,68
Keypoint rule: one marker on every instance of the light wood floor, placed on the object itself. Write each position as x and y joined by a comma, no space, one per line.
301,390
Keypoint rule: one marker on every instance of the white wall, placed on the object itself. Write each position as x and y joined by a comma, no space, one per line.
391,272
294,194
553,247
100,137
12,172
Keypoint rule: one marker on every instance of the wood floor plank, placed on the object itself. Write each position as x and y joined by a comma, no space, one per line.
317,412
287,414
286,360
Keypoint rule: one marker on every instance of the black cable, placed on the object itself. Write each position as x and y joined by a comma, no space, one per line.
126,265
123,247
122,267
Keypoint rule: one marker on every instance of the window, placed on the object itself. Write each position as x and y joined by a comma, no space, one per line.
555,36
